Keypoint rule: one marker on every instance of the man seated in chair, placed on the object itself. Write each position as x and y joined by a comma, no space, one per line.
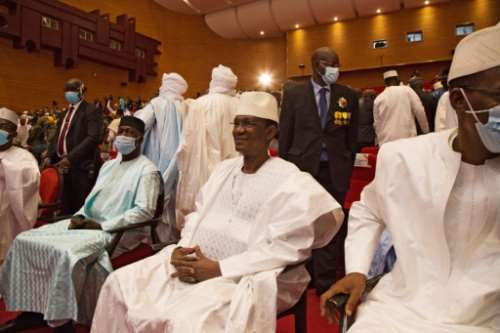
19,181
255,216
55,272
439,197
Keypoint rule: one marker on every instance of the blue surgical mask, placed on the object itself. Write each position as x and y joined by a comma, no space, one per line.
331,75
72,97
4,137
125,144
489,132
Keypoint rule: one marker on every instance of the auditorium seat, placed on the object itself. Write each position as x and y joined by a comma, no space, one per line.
361,176
51,185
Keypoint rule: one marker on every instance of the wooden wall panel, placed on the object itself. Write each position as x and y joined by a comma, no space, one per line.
29,80
353,39
189,47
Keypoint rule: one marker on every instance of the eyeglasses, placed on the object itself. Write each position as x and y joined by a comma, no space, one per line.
246,124
495,93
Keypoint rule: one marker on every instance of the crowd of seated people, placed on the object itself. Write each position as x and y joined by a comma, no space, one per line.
241,232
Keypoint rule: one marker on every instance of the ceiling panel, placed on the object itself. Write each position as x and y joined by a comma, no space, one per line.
288,13
247,15
206,6
247,18
325,11
370,7
420,3
225,24
177,6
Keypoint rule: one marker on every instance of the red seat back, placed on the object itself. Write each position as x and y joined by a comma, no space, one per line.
50,185
370,150
361,177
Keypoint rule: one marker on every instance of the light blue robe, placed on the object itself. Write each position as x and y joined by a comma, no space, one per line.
162,117
59,272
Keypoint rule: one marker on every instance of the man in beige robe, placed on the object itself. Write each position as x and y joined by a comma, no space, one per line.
206,138
19,181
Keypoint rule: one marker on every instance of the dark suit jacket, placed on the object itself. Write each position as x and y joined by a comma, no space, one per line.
82,139
301,135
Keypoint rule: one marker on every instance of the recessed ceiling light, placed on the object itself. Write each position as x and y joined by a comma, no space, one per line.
335,18
297,26
427,2
379,11
262,33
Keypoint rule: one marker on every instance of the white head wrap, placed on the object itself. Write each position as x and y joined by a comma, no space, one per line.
9,115
223,80
437,85
258,104
477,52
173,85
391,73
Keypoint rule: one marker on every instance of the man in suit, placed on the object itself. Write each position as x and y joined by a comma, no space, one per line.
74,149
318,133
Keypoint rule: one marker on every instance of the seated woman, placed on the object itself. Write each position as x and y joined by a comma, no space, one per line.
55,272
255,216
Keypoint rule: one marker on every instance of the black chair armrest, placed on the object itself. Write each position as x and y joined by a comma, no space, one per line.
53,219
49,205
118,232
151,222
339,302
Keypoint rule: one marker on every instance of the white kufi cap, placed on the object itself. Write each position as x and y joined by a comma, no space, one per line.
9,115
477,52
258,104
391,73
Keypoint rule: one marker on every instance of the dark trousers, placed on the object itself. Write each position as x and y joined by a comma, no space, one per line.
327,264
77,185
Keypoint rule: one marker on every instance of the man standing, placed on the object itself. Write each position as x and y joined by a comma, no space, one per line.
318,133
74,149
438,195
163,119
395,110
366,132
255,216
23,131
427,99
57,270
19,180
206,138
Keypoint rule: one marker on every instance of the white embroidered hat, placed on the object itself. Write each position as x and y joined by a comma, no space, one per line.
391,73
258,104
477,52
9,115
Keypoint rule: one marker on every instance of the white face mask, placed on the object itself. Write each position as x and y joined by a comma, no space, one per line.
331,75
489,132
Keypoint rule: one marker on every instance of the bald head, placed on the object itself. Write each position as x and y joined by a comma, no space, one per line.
320,59
73,84
324,53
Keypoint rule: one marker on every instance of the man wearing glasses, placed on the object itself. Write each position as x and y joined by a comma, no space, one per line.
439,196
255,216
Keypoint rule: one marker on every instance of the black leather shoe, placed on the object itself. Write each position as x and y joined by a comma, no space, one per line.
25,321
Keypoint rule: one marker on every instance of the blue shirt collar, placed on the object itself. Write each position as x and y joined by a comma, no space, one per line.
317,87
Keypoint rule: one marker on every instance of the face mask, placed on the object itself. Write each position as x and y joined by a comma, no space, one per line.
489,132
72,97
331,75
124,144
4,137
